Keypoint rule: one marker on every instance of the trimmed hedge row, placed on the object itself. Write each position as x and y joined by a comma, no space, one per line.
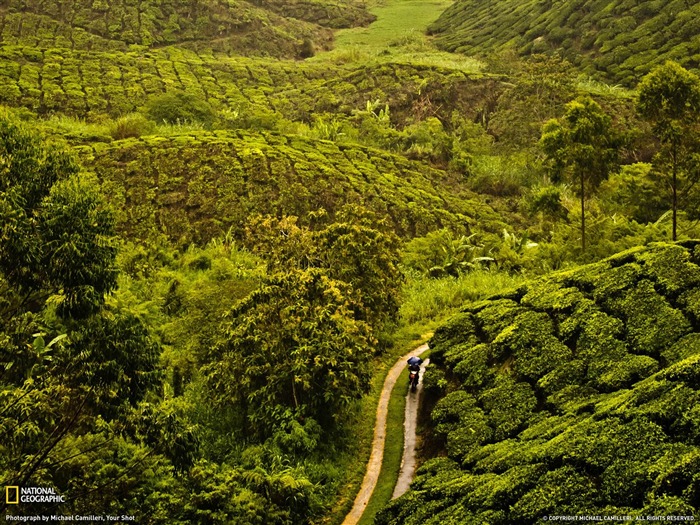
91,84
88,84
245,28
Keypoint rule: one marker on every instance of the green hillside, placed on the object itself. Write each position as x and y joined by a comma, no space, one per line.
91,84
194,187
576,394
617,40
88,85
244,28
223,221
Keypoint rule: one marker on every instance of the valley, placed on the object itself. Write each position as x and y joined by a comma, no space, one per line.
222,223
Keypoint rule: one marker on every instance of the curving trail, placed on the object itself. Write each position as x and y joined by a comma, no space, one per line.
410,422
375,460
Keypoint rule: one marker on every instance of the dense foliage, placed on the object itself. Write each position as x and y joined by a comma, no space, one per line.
573,394
103,398
73,368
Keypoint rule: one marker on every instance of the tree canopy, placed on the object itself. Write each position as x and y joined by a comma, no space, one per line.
69,365
295,350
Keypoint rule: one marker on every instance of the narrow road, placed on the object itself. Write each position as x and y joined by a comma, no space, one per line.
410,422
376,457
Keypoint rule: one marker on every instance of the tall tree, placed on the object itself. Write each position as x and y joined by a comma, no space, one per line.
582,145
669,98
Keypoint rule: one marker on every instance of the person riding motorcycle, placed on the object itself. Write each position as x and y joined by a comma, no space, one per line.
414,363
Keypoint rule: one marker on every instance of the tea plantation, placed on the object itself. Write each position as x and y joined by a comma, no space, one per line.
194,187
222,221
239,27
92,84
620,40
576,394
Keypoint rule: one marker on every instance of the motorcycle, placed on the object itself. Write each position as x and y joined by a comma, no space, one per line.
413,379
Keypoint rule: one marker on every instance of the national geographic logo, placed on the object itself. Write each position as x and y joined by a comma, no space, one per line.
15,495
12,495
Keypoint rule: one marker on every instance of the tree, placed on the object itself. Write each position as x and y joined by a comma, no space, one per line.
669,97
354,249
367,259
293,349
582,145
56,234
69,366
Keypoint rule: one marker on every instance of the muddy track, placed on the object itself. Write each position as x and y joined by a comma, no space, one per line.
374,465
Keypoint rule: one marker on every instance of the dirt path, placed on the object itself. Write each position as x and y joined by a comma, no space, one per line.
375,460
410,422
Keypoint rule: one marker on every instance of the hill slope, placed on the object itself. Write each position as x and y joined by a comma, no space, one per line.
620,39
244,28
195,186
90,84
576,394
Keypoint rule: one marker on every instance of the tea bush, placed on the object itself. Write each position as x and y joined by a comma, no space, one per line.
246,28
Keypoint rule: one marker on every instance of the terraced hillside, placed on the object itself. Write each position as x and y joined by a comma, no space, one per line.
577,394
90,84
620,40
245,28
193,187
86,84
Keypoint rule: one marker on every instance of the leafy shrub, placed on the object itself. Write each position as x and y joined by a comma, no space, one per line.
634,192
178,107
548,201
462,421
307,49
508,405
133,125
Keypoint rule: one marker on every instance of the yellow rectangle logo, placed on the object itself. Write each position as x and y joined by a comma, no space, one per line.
11,499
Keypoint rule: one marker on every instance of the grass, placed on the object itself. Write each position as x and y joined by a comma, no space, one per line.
428,300
396,19
79,131
398,35
393,451
595,87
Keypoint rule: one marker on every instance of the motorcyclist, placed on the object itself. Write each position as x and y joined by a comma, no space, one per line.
414,363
